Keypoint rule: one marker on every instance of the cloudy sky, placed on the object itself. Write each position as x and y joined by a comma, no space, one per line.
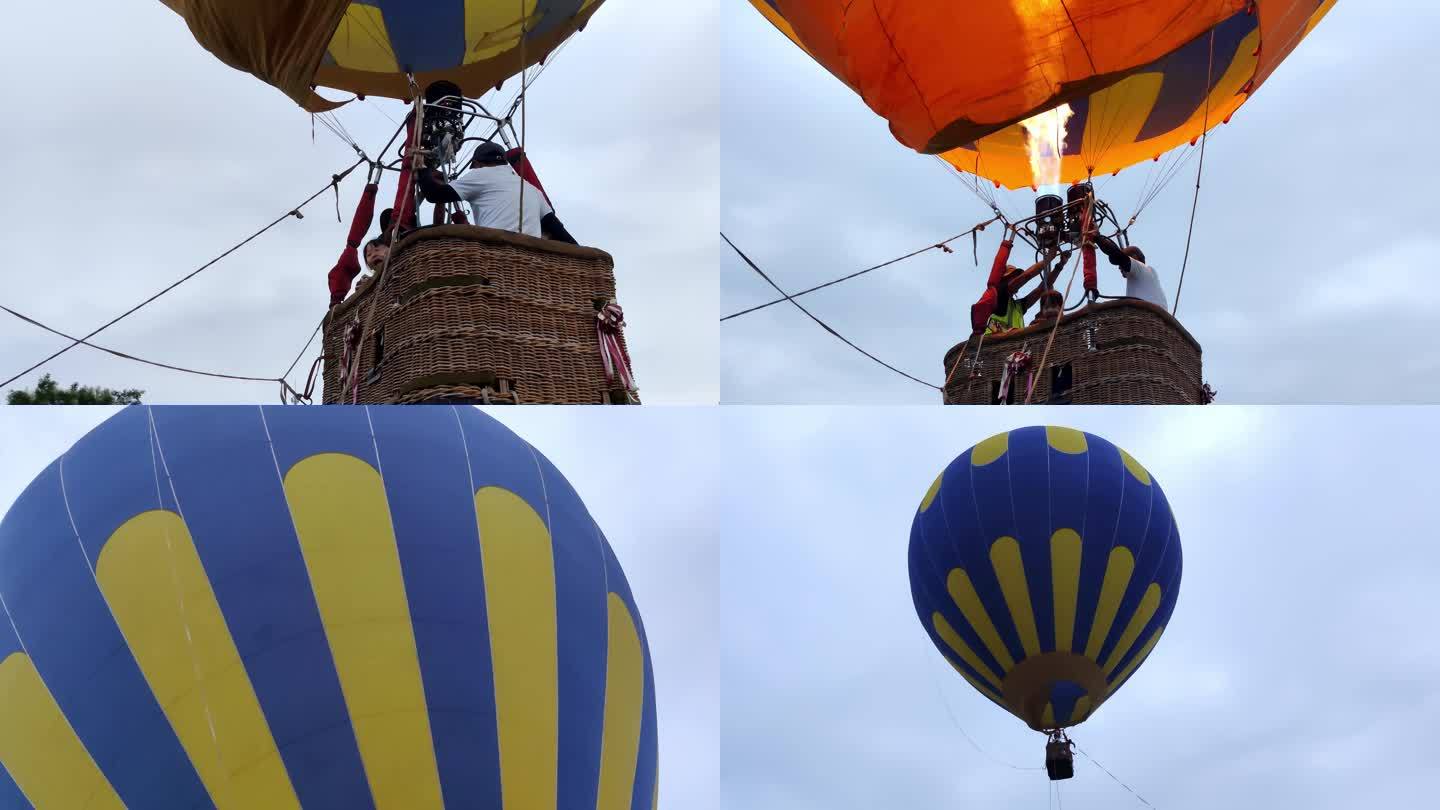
1299,669
139,157
1298,283
648,478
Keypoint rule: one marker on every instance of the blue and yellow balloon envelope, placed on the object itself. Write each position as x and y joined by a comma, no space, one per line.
1044,564
317,607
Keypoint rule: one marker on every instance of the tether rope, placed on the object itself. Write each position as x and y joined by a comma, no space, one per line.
1199,172
936,246
295,212
118,353
1116,778
822,324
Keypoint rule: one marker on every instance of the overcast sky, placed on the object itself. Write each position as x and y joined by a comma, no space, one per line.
648,477
1300,668
1305,280
131,156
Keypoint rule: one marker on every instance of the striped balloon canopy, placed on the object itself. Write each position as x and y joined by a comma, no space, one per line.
957,78
322,607
1044,565
369,46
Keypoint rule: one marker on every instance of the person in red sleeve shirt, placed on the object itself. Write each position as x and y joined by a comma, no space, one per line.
343,274
1003,308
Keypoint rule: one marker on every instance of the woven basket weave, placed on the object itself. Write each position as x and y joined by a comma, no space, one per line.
476,315
1122,352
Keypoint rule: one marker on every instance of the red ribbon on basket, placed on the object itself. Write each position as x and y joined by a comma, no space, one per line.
609,323
349,354
1015,365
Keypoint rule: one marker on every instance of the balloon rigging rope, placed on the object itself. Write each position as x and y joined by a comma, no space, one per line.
407,199
1056,328
520,175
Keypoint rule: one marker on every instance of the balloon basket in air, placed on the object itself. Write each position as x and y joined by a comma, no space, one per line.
1059,759
1115,352
476,316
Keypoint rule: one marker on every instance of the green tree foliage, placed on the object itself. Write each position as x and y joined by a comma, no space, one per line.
49,392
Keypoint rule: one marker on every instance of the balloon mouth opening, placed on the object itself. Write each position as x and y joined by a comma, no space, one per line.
1054,690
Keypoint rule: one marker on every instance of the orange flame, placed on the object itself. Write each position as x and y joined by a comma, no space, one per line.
1045,141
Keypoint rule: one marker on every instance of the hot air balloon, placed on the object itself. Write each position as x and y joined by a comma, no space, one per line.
284,607
369,47
455,314
958,79
1044,565
1050,93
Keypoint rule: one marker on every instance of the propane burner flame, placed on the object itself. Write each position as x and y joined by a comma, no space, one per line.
1045,142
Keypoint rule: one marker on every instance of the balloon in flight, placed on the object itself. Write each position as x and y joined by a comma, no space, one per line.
1044,565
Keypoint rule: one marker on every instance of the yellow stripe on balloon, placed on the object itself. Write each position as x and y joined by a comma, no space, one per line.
1081,710
1065,551
1135,662
1141,474
977,685
1143,614
781,23
1066,440
343,521
162,599
492,28
1010,571
1118,113
520,601
952,638
39,749
624,709
1318,16
1117,577
1047,717
962,591
988,451
361,41
1227,90
934,490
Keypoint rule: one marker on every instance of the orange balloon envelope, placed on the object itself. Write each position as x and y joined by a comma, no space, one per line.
957,79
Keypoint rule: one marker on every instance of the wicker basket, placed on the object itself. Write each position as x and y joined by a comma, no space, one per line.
1121,352
477,315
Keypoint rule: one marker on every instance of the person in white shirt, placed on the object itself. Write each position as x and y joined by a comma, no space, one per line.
1141,280
494,191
